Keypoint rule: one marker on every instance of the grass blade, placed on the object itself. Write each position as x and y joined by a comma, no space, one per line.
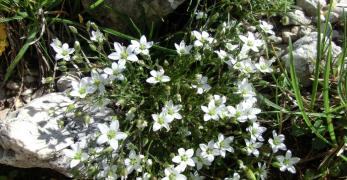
298,97
326,95
22,51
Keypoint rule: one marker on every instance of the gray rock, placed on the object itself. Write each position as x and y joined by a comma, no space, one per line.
65,82
310,6
12,85
31,136
114,12
339,10
304,57
296,17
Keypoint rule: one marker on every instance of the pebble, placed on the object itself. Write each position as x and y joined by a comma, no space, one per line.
12,85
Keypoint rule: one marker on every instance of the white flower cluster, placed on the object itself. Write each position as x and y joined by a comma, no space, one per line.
110,150
169,113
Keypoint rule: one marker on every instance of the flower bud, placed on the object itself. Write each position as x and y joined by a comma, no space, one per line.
73,29
77,46
93,47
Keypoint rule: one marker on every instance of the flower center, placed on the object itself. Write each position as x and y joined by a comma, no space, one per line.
111,134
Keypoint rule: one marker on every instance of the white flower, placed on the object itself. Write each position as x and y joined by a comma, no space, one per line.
245,110
141,46
76,154
200,15
133,162
231,47
256,131
202,85
82,88
236,176
172,111
287,162
223,145
264,66
252,147
211,111
196,176
266,27
183,159
99,104
219,100
227,112
123,53
158,77
173,174
199,160
245,89
202,38
208,151
222,54
182,49
98,81
116,71
277,142
250,43
262,171
160,121
245,66
110,134
63,51
97,36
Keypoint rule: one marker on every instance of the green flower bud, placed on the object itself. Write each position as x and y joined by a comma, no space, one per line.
77,46
73,29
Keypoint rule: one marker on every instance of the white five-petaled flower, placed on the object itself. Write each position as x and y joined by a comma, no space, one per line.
115,72
62,50
236,176
142,46
110,134
264,66
252,147
245,110
182,48
199,160
245,89
250,43
160,121
287,162
82,88
223,144
208,151
97,36
172,111
98,81
200,15
266,27
76,154
276,142
183,159
202,38
133,162
123,53
158,77
262,171
256,131
211,111
172,174
202,84
222,54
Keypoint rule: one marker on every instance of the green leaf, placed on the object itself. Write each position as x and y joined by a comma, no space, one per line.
22,51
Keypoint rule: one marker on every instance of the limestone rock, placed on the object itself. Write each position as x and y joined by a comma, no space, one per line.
311,6
296,17
65,82
114,12
31,136
304,57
